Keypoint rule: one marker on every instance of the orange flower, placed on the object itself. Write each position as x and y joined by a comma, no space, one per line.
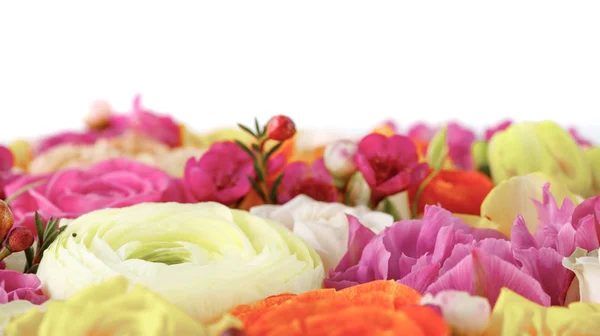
458,191
374,308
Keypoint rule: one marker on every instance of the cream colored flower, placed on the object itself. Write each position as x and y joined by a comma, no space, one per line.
465,313
129,145
205,258
586,267
323,225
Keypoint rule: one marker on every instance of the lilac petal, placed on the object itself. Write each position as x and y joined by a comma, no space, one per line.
484,274
585,208
565,241
586,236
3,296
422,131
447,238
422,278
358,238
498,247
545,265
374,264
459,252
520,236
434,218
403,267
401,239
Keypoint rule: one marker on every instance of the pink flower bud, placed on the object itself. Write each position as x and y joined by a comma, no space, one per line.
20,239
99,115
281,128
6,219
339,158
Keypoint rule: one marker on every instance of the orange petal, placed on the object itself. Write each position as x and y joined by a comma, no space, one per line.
458,191
402,294
250,312
430,321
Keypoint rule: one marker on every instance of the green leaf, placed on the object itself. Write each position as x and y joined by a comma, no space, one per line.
274,187
257,126
437,150
29,256
50,227
247,130
39,225
396,205
256,188
49,241
259,173
272,150
245,148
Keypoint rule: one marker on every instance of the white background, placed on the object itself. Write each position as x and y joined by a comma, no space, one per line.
343,65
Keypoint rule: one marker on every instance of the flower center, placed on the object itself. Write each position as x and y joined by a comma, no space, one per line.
315,189
169,253
225,180
385,168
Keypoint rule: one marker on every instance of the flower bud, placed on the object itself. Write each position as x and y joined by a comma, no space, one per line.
19,239
98,117
6,219
339,158
281,128
358,192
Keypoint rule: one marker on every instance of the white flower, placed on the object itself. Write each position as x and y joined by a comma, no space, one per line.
204,257
586,267
323,225
339,158
465,313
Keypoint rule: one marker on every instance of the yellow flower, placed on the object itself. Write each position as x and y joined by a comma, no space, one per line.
205,258
514,197
515,315
114,308
528,147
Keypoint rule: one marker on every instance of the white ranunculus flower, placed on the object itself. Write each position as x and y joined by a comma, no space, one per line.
586,267
205,257
323,225
465,313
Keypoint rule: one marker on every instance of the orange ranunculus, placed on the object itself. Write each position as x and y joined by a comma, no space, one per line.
374,308
458,191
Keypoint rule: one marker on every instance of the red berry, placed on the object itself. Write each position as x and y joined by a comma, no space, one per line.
6,219
281,128
20,239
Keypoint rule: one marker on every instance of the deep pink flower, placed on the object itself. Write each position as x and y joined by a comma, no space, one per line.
435,253
70,193
497,128
581,141
559,232
6,169
314,181
220,175
389,164
422,131
19,286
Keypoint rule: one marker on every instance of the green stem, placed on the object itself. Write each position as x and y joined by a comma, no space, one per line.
5,252
260,162
428,179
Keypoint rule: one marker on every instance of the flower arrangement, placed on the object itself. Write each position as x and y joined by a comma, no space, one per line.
139,226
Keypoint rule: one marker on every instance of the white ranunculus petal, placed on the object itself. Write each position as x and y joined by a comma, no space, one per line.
323,225
205,258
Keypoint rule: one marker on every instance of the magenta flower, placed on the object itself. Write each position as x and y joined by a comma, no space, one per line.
422,131
70,193
559,232
389,165
495,129
435,253
314,181
6,170
19,286
220,175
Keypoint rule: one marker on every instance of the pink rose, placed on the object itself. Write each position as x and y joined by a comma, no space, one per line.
114,183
